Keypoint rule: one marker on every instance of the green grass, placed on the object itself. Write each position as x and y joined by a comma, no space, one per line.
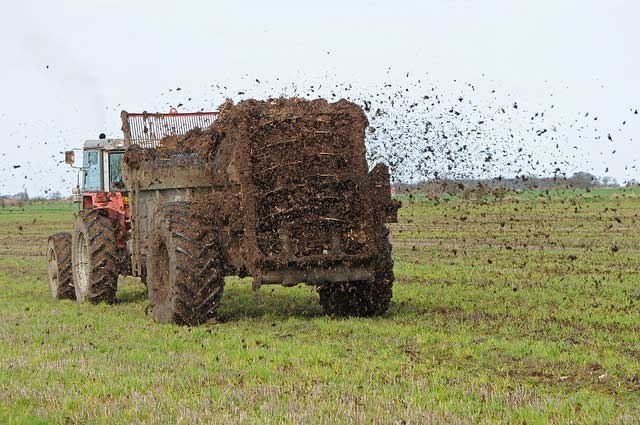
521,310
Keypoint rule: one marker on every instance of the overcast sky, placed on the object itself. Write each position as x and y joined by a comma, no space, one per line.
69,67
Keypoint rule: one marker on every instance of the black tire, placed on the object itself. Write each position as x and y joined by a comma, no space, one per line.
59,269
362,299
185,274
95,258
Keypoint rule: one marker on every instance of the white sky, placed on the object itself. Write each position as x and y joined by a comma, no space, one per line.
108,55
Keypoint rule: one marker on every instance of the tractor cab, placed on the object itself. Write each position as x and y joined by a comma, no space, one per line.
102,166
100,184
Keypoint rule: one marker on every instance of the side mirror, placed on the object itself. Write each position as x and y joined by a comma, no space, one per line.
69,157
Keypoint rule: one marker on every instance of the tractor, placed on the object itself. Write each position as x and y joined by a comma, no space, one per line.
84,265
282,193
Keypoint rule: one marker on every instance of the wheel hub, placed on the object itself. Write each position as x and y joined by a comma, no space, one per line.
82,265
52,271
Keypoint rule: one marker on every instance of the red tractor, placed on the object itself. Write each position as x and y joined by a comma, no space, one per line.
101,228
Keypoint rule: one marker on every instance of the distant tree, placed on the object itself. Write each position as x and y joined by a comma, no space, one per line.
22,196
583,180
54,196
608,181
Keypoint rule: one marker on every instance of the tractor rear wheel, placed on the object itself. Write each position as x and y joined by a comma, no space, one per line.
95,257
59,266
185,275
362,298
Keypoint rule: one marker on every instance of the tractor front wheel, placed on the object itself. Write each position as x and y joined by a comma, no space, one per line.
59,266
95,257
185,275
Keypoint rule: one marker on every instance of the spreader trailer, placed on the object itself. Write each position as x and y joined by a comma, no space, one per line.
277,190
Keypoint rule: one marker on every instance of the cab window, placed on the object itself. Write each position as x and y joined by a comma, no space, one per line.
115,172
92,171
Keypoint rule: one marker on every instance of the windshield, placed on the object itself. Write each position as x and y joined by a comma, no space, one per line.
92,171
115,172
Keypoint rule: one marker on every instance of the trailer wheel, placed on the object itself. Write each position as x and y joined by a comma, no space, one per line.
185,277
59,266
362,298
95,257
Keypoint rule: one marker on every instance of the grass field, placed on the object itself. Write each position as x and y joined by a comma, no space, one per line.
523,310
